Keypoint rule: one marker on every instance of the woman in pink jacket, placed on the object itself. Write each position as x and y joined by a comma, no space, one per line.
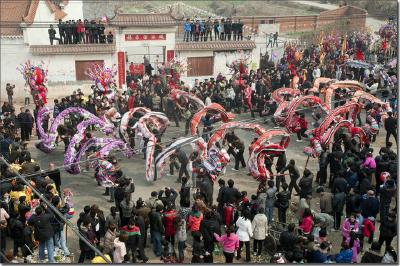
230,242
354,244
350,224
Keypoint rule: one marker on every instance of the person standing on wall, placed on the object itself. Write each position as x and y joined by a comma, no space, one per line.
52,34
208,28
61,31
10,93
275,39
239,26
216,29
234,29
187,30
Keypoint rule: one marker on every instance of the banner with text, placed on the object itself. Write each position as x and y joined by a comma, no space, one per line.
121,68
145,37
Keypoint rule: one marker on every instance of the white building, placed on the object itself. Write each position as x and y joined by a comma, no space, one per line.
24,36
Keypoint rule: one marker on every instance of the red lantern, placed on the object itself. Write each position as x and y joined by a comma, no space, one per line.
38,76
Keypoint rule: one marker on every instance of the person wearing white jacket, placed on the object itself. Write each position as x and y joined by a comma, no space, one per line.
260,230
244,233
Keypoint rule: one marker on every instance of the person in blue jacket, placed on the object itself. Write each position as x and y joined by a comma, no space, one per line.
202,30
320,255
187,28
345,255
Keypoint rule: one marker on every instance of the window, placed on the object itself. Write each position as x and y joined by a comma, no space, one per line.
82,66
271,21
200,66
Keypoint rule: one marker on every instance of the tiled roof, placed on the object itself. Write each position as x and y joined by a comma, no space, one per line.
11,13
72,49
215,45
58,13
14,12
147,20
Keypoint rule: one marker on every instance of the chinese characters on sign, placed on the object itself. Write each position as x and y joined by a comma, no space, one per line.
145,37
121,68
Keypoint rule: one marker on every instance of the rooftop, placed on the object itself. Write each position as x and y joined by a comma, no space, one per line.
73,49
215,45
15,12
144,20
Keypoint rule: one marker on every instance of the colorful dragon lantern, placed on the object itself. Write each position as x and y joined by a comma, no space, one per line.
104,78
35,77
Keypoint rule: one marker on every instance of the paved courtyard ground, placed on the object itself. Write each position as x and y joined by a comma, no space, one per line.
87,192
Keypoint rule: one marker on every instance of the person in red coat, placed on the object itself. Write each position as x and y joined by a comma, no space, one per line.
170,222
301,120
368,230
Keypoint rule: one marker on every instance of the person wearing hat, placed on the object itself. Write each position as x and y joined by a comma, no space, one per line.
372,255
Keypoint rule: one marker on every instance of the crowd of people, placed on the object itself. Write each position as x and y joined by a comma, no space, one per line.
356,189
80,31
196,30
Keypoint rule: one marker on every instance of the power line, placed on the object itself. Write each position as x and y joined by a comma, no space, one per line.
59,214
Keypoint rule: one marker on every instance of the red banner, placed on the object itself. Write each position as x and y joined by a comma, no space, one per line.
170,55
136,69
121,68
145,37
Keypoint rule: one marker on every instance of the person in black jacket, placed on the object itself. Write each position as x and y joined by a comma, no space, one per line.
370,205
323,167
61,31
156,229
87,231
287,239
282,202
388,191
239,28
339,184
198,248
338,202
209,226
17,234
169,198
391,127
388,230
140,222
232,194
280,164
44,231
221,192
234,29
206,188
183,160
228,29
52,34
82,215
68,33
294,175
305,183
28,240
372,255
98,222
184,194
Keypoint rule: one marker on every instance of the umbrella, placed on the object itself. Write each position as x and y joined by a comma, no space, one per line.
357,64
